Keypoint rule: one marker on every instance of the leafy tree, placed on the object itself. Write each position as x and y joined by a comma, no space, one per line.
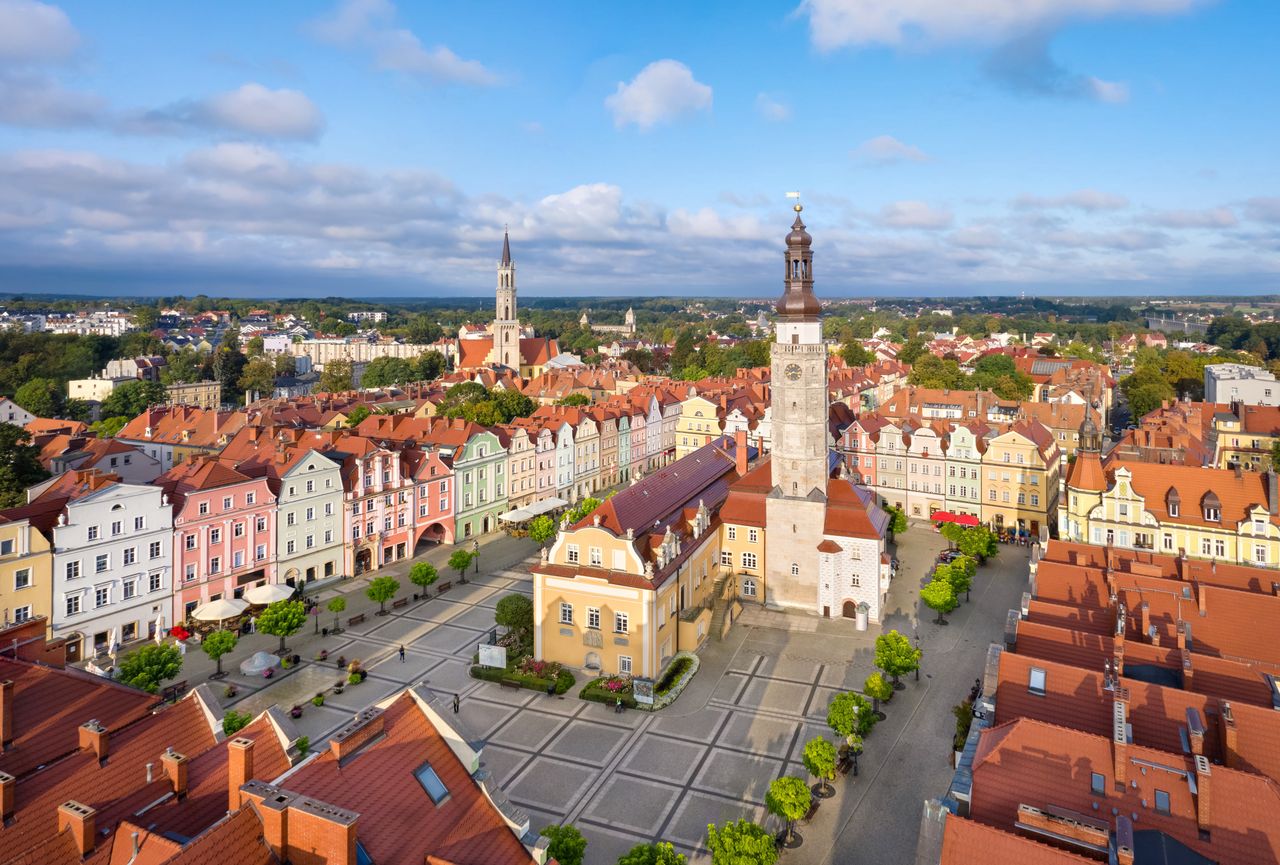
855,355
895,655
40,396
567,846
259,376
578,399
583,509
683,352
978,542
282,619
957,578
939,597
336,377
741,842
542,529
460,560
820,760
144,317
788,798
952,532
423,330
19,465
336,606
515,613
430,365
233,722
423,574
384,371
108,427
254,347
842,714
656,853
357,415
1275,455
878,689
217,644
184,367
132,398
912,350
381,590
147,666
285,364
935,372
897,519
228,365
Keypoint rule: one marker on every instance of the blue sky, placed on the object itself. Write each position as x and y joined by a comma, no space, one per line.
365,148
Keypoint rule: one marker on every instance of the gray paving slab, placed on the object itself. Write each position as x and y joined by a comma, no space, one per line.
356,697
437,610
471,593
528,730
480,618
603,714
700,726
821,701
495,693
632,803
774,695
504,764
729,687
317,722
449,640
550,784
792,669
482,716
688,825
663,759
608,843
414,667
451,677
401,630
742,776
745,662
588,742
758,734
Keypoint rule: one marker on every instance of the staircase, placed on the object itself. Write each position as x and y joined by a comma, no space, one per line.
719,605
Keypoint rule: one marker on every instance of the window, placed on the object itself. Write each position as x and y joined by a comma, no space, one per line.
1124,510
226,503
289,548
431,782
6,548
261,552
155,550
1035,681
795,569
191,572
620,623
73,570
93,533
1035,499
1219,548
566,614
1162,802
1173,509
130,555
22,578
328,536
753,535
101,563
328,509
597,557
73,605
117,528
571,554
21,614
749,561
130,589
101,596
726,558
311,514
215,565
261,524
215,536
1260,554
139,523
749,588
593,617
624,665
191,542
250,498
154,584
733,533
1213,514
311,486
991,494
290,518
1097,784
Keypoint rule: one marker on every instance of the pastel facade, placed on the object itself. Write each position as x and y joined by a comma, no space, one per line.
310,538
26,569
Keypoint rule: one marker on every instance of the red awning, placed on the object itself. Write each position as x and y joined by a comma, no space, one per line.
966,520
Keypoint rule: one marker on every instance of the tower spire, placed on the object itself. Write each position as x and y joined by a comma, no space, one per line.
506,246
798,301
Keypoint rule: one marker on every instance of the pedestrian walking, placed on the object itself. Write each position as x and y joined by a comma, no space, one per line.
402,654
455,704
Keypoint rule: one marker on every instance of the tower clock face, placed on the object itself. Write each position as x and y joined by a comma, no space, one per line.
793,371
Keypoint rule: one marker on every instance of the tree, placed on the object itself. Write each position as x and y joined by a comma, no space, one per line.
578,399
423,574
381,590
183,367
878,689
259,376
1275,455
897,519
911,350
855,355
820,760
216,645
789,798
422,330
939,597
228,364
567,846
132,398
978,542
357,415
384,371
960,574
285,364
842,714
741,843
233,722
515,613
430,365
459,561
282,619
40,396
336,606
144,317
542,529
254,347
895,655
935,372
108,427
336,376
19,465
657,853
146,667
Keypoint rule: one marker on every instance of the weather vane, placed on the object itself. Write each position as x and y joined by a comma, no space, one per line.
799,207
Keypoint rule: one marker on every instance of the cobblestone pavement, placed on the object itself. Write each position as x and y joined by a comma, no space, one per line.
708,758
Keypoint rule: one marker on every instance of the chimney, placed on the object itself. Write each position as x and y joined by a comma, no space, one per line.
272,805
1195,730
94,737
1188,671
6,715
1120,736
740,451
1124,840
175,766
1204,802
368,724
8,785
239,769
1152,637
80,820
1230,737
301,830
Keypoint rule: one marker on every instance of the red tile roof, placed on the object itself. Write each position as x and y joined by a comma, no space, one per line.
967,842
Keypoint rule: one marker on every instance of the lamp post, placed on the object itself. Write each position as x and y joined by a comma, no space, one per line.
475,552
917,633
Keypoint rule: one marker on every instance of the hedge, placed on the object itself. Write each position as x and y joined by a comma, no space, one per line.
669,686
672,674
564,679
594,690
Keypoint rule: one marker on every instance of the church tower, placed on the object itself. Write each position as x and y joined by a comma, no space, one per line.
795,509
506,324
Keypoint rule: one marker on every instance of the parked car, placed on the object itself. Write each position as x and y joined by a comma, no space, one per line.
947,556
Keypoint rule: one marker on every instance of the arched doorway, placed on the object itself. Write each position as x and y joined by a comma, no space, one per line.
849,610
364,561
291,577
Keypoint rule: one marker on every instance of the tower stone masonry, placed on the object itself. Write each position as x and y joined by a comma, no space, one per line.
506,324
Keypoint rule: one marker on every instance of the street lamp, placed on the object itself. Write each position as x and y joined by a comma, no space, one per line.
917,634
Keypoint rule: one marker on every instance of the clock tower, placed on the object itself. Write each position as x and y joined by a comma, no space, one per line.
795,509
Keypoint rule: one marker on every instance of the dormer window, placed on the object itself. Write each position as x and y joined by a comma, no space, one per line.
1211,507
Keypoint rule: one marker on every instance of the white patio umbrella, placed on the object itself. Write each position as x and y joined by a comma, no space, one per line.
269,593
219,610
160,628
113,644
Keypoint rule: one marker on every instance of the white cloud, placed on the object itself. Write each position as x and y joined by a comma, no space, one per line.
32,32
34,100
1217,217
1126,241
663,91
977,237
885,149
1090,200
707,223
1114,92
771,109
367,24
1263,209
840,23
258,110
914,214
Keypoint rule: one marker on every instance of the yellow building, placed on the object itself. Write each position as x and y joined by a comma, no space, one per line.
1020,479
26,569
742,534
636,581
698,424
1245,435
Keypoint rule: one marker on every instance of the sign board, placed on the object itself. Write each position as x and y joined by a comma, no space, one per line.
642,690
493,656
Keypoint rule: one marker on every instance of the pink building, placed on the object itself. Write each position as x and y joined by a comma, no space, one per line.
378,491
433,522
224,526
858,447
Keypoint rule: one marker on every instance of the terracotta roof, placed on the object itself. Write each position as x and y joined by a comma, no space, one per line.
852,511
1236,493
745,504
379,784
967,842
1087,473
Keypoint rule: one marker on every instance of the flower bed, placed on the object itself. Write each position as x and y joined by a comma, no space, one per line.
531,674
608,689
673,680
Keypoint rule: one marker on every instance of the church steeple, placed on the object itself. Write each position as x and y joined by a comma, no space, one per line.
506,248
506,323
798,300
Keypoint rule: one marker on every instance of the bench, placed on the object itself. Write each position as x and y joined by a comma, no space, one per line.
399,602
355,620
510,683
813,809
171,693
843,765
444,587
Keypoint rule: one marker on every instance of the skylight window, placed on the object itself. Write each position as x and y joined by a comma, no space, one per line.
1035,681
431,782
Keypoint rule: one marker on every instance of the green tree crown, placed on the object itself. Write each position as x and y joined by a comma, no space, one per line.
146,667
567,846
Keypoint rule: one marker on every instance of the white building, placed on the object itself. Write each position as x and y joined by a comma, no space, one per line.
112,567
367,315
309,540
1231,382
11,412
